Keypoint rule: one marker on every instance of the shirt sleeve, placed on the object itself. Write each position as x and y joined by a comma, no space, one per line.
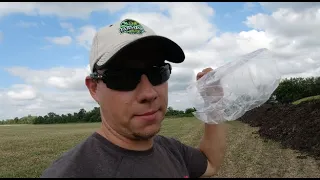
195,159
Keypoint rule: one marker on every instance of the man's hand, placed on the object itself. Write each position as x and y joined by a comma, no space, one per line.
204,71
213,142
213,92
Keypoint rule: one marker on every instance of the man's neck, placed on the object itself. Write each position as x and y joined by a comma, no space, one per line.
111,135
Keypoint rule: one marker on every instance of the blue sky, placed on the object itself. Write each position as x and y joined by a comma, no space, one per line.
44,47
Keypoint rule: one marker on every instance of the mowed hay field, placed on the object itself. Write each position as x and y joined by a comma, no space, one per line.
26,150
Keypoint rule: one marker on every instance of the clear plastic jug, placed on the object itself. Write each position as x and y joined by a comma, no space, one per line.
226,93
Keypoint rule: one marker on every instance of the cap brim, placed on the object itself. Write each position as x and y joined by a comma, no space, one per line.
160,46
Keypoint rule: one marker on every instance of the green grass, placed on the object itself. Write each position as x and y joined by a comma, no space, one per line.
306,99
26,150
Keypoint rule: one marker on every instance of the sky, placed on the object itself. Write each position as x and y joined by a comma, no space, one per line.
44,47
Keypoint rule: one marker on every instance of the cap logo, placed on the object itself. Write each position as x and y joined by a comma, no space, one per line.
130,26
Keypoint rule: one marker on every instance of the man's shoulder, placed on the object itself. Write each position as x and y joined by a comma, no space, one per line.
67,164
79,161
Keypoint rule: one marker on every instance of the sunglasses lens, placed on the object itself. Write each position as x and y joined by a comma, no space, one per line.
128,80
159,75
122,81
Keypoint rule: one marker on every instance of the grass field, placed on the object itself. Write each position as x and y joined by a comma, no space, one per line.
26,150
306,99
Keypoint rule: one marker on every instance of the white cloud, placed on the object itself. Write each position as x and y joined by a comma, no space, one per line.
46,47
60,9
287,23
296,6
68,26
60,77
191,32
50,101
64,40
27,24
295,33
292,32
22,92
249,6
60,90
85,36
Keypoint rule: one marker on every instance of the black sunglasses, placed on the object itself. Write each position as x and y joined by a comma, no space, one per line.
127,79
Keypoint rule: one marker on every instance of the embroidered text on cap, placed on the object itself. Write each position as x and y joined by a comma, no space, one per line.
130,26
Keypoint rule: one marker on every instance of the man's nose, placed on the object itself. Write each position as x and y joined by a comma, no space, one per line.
146,91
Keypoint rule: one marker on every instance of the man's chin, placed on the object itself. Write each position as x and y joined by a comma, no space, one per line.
143,136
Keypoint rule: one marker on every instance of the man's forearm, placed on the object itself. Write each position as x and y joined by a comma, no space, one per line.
213,144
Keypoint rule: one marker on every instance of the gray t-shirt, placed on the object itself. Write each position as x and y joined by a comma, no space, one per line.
97,157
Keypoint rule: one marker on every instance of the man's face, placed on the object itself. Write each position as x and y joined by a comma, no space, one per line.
135,114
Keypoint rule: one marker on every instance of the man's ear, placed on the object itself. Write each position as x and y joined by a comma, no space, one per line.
92,87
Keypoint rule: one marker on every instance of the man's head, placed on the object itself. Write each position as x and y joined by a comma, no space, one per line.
129,77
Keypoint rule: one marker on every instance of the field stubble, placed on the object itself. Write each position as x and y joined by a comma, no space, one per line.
27,150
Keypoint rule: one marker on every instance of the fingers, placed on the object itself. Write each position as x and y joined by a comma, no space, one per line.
204,71
199,75
214,90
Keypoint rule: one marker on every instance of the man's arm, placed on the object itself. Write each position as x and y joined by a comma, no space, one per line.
205,160
213,145
213,142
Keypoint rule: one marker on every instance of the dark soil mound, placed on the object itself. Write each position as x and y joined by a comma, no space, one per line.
294,126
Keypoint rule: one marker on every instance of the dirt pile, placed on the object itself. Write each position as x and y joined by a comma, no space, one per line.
294,126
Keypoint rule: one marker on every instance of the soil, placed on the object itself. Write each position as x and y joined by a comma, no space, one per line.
294,126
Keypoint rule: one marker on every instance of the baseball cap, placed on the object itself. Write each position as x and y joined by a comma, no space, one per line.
111,40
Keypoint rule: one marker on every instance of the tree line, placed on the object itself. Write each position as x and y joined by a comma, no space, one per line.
288,91
82,116
293,89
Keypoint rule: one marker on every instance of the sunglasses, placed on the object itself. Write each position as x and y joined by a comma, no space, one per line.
127,79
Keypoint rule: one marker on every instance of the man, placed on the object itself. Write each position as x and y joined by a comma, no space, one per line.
129,82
